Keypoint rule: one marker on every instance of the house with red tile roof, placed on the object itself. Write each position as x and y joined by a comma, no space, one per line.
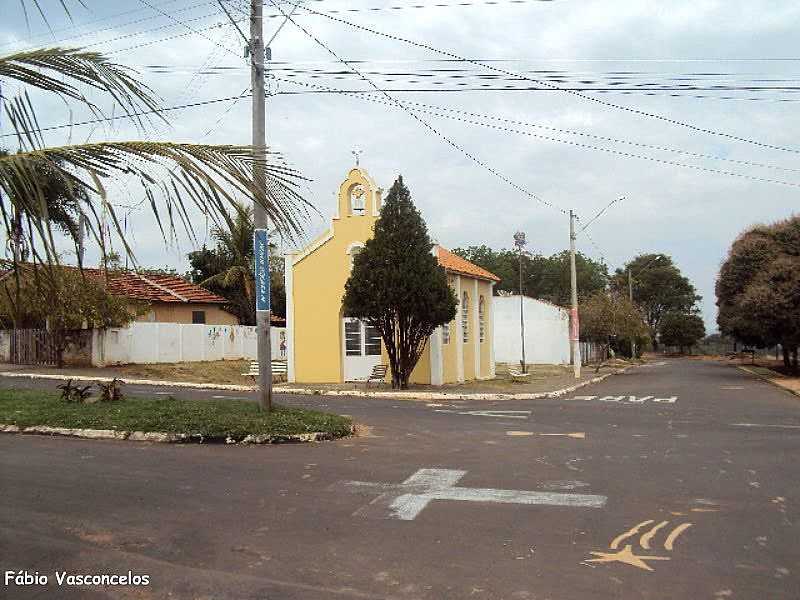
171,298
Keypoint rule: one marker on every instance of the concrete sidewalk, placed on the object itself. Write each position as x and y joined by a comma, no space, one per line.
499,389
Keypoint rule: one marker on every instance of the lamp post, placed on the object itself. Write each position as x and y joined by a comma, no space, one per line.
519,242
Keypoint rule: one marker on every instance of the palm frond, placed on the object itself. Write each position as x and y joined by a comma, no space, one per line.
172,177
60,70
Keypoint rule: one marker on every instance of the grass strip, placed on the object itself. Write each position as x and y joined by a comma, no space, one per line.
206,418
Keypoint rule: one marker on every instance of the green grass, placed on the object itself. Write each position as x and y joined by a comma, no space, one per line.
207,418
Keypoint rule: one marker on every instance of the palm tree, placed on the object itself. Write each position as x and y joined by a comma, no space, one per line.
235,248
171,176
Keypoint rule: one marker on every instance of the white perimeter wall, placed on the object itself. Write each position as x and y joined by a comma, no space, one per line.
142,342
546,331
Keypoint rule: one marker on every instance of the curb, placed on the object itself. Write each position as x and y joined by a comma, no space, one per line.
445,395
155,382
771,380
321,392
166,438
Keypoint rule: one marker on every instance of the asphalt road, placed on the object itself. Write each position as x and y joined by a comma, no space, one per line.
679,480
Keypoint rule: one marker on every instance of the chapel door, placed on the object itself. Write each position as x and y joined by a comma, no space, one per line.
362,349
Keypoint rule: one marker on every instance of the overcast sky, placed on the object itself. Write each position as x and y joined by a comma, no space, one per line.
739,59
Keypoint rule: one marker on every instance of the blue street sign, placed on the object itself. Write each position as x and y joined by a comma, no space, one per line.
261,252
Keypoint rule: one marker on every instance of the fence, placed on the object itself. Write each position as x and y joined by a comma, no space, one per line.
141,343
46,348
138,343
591,353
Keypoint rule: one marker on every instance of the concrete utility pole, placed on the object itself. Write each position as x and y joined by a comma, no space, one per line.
260,243
519,242
575,329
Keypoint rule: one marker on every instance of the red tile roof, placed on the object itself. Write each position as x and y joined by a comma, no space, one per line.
453,263
153,288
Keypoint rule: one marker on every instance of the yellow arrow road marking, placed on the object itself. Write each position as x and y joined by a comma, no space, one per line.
631,532
645,539
674,535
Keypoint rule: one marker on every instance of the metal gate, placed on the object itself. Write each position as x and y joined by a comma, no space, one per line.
35,347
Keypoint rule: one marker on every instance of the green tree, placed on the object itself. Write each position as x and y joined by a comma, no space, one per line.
659,288
607,317
398,286
228,269
64,300
758,288
681,329
546,278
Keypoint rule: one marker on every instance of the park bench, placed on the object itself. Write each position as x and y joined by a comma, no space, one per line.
378,374
280,370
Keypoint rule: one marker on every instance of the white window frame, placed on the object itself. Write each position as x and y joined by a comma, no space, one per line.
446,333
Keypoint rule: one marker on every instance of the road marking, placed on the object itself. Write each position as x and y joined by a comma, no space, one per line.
505,414
644,541
229,397
627,399
762,425
732,387
630,533
674,535
406,500
628,556
577,435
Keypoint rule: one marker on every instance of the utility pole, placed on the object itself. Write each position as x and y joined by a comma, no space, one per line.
519,242
630,297
260,242
575,329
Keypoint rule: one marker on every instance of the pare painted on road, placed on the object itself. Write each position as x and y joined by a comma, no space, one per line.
627,399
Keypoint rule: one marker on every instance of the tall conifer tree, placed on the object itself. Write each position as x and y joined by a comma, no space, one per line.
398,286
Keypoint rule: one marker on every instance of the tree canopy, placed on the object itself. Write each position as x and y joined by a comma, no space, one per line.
228,269
398,286
546,278
758,288
682,330
659,287
607,317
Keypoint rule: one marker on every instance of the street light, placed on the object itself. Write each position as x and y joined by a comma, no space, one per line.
519,242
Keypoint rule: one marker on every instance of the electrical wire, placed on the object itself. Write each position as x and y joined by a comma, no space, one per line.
422,121
600,101
574,143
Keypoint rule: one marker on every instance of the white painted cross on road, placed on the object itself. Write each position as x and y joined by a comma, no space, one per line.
406,500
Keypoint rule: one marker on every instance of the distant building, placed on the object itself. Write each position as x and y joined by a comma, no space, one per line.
171,298
323,346
546,331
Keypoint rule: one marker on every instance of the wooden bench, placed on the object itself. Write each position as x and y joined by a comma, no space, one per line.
378,374
280,370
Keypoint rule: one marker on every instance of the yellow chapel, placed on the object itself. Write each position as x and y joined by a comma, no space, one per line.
323,346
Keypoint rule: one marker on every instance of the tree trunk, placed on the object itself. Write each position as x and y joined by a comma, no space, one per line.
794,359
787,362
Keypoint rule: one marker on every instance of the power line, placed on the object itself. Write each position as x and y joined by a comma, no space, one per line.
130,115
574,143
422,121
628,109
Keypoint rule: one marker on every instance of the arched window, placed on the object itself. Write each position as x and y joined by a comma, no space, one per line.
465,317
358,200
481,319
